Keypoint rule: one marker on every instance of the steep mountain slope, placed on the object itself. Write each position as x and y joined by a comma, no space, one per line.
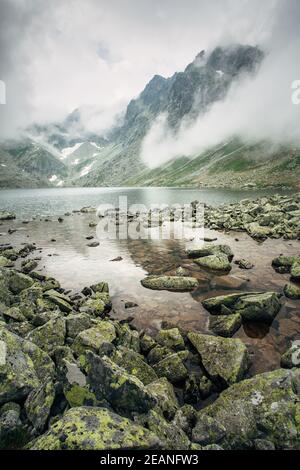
185,95
28,164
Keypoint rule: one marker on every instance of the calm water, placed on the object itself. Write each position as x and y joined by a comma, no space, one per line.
64,254
57,201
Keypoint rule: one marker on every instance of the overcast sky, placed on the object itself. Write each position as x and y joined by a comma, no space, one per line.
62,54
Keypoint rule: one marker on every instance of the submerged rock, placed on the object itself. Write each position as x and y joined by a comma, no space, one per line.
210,250
87,428
171,283
263,407
224,360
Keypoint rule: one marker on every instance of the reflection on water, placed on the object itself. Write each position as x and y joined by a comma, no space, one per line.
75,265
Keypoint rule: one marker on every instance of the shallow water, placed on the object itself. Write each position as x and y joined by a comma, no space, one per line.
75,265
53,201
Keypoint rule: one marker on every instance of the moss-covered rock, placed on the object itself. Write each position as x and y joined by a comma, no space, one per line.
171,338
218,262
125,392
285,261
5,215
38,405
186,418
147,343
158,353
171,435
14,314
225,360
98,305
18,282
172,367
17,370
171,283
5,262
62,301
252,306
210,250
263,407
291,358
292,291
134,364
87,428
95,339
225,325
258,307
13,433
163,391
76,323
295,271
75,387
100,287
127,337
50,335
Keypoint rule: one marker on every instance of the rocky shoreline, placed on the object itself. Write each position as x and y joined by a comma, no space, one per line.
72,377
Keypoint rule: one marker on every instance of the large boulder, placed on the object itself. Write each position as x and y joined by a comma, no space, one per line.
50,335
266,406
134,364
124,392
292,291
22,367
172,367
225,325
224,360
76,323
63,302
86,428
163,391
96,339
218,262
171,283
171,338
38,405
252,306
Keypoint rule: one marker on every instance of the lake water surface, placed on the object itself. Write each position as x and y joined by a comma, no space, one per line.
64,254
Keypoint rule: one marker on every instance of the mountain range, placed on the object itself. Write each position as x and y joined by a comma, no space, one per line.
55,155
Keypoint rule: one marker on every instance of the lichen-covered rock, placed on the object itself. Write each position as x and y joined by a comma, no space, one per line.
5,262
185,419
171,338
225,360
95,339
100,287
158,353
285,261
245,264
76,323
98,305
18,282
295,271
125,392
134,364
75,387
163,391
87,428
292,291
257,231
17,371
218,262
29,266
171,435
127,337
62,301
12,431
38,405
252,306
263,407
209,250
291,358
225,325
171,283
172,367
14,314
258,307
50,335
147,343
5,215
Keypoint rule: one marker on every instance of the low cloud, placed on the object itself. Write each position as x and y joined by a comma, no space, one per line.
256,108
